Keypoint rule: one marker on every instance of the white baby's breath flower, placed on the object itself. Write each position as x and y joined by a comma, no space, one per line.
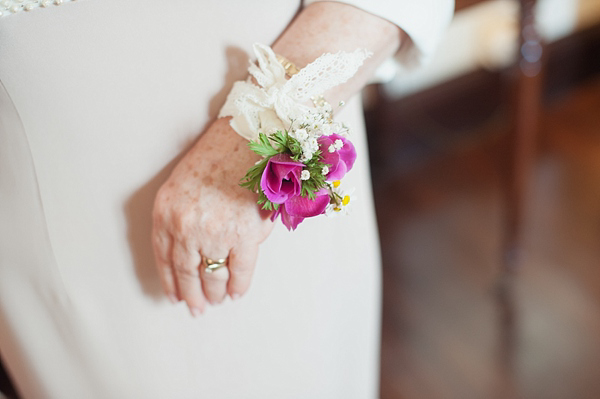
300,134
331,148
325,170
338,144
325,109
307,149
340,129
313,144
305,175
326,129
303,120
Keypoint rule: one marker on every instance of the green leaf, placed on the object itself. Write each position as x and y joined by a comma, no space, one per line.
280,139
263,146
266,204
317,180
251,180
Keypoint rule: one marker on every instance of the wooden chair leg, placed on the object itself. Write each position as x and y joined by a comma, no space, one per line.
525,106
526,103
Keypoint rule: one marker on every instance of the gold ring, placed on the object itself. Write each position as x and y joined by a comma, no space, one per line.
211,265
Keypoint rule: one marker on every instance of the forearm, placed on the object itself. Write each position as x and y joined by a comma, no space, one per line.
329,27
201,212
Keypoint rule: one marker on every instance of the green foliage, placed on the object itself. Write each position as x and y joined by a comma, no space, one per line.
251,180
281,143
266,204
317,180
263,146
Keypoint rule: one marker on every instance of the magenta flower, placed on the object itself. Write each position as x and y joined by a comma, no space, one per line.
281,178
289,221
305,207
341,159
298,208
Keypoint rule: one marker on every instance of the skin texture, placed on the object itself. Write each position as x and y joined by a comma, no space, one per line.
202,211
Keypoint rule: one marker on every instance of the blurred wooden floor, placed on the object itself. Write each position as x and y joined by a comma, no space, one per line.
446,333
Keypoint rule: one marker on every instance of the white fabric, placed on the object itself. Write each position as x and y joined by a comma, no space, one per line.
98,100
423,20
277,101
8,7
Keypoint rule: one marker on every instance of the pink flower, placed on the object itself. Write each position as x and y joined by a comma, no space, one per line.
341,159
298,208
289,221
281,178
305,207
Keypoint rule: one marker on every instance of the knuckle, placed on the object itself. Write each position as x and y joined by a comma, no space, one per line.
161,213
158,217
162,260
186,222
161,202
186,273
212,226
159,241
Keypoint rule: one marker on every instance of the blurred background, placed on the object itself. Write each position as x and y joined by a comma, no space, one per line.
486,172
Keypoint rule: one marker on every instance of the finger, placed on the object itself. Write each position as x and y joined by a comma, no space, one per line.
185,263
242,260
214,283
162,243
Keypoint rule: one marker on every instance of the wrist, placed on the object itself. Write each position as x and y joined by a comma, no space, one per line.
275,102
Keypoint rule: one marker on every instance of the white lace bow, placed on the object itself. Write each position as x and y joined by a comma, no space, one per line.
276,101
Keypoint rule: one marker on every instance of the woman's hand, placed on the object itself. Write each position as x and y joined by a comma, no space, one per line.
201,211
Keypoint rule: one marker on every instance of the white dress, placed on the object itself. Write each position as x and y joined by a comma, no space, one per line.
98,101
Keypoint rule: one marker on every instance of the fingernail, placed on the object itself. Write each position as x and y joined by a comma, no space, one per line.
196,311
235,296
173,298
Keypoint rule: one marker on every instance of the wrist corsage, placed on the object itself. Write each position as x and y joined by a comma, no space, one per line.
305,154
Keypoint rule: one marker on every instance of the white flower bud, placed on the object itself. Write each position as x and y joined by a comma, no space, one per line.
305,175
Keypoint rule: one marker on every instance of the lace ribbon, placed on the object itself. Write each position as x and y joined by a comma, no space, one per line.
276,101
